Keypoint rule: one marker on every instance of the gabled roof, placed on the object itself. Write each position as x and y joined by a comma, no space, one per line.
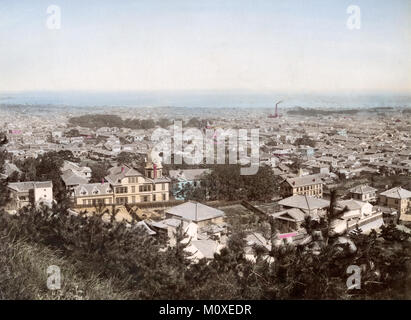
29,185
255,238
145,227
194,211
362,189
304,202
71,178
120,172
294,213
164,224
89,188
304,180
397,193
206,247
68,165
351,204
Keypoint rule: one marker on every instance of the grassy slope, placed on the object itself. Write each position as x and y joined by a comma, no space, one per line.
23,275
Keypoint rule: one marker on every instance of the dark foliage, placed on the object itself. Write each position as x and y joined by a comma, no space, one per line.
226,183
96,121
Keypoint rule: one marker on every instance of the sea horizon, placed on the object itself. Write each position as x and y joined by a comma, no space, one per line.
205,99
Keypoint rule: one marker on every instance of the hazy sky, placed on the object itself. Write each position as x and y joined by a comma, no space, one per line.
290,46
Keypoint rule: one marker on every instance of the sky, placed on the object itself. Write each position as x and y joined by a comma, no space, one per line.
246,45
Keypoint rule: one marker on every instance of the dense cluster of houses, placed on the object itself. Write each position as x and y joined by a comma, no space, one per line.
345,149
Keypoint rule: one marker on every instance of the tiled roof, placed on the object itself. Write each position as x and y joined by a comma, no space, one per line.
195,211
118,173
397,193
71,178
362,189
304,202
92,189
305,180
28,185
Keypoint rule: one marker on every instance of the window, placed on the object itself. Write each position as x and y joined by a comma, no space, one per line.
122,200
145,188
164,197
121,190
84,202
133,199
154,197
133,189
163,186
145,199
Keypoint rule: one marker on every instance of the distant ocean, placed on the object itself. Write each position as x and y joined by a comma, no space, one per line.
204,99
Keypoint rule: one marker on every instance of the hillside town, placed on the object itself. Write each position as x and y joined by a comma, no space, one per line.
357,165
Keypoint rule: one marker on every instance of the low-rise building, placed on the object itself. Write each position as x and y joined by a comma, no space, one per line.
364,193
196,212
30,193
310,185
397,198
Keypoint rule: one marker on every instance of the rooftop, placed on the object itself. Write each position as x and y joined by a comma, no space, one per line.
397,193
305,180
29,185
195,211
304,202
362,189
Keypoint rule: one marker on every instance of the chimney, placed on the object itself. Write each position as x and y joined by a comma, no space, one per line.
155,170
122,169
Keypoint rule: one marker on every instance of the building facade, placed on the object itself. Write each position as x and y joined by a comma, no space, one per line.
125,185
396,198
311,185
29,193
364,193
